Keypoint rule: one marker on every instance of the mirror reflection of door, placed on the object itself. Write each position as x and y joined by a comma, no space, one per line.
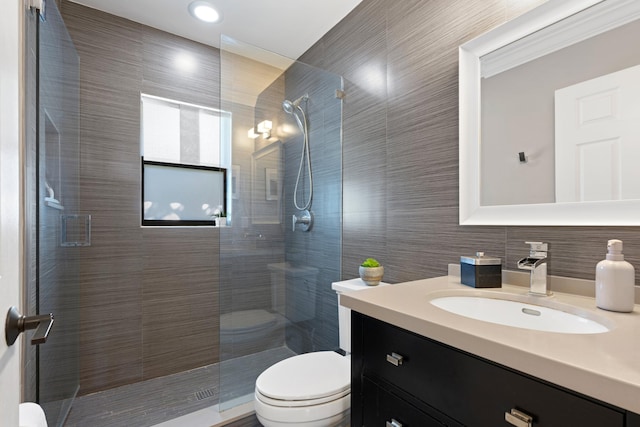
597,125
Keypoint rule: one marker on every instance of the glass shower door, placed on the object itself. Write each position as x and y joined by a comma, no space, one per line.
60,230
275,290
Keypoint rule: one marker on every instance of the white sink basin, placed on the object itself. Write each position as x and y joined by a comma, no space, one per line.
519,314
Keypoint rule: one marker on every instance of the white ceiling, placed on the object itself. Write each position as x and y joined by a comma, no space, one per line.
286,27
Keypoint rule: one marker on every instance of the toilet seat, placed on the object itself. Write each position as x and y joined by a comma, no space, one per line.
305,380
311,390
299,403
335,412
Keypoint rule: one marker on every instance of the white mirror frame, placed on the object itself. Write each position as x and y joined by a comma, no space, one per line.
605,213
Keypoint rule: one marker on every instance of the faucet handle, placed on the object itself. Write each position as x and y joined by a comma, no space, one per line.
538,249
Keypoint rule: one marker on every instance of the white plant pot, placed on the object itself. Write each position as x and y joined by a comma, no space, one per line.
371,275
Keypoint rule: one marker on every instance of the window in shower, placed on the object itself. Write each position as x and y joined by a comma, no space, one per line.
185,156
175,194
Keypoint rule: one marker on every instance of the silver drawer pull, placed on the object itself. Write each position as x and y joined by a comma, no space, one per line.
518,418
394,423
395,359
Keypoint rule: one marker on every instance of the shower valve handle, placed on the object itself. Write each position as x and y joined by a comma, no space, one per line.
305,218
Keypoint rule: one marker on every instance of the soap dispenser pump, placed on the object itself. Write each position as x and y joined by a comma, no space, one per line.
615,280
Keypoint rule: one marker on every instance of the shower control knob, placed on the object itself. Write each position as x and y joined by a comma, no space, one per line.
305,218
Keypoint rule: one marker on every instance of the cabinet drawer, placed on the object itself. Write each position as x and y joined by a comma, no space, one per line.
384,409
471,390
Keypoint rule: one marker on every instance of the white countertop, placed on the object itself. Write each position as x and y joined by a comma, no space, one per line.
605,366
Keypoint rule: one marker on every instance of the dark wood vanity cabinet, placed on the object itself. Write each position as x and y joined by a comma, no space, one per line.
403,379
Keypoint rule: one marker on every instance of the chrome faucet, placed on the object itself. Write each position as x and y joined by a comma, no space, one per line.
536,262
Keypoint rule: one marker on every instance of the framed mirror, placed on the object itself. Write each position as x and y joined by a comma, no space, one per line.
266,184
549,132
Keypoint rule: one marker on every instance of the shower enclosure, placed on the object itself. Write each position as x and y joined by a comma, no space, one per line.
276,267
57,232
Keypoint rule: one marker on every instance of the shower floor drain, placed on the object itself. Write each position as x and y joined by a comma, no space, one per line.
205,394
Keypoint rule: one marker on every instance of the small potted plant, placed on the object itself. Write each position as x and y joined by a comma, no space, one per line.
371,272
222,219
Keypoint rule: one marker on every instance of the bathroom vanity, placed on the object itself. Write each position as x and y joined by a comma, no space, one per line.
414,364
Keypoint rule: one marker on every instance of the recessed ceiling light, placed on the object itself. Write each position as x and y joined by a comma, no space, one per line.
204,11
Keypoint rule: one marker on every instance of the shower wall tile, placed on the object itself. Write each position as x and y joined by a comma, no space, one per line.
110,315
423,97
110,279
433,240
179,69
573,251
129,304
357,49
185,339
400,143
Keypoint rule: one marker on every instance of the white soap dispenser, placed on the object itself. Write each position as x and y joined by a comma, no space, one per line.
615,280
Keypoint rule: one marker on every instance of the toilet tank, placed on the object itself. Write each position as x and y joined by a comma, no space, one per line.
344,314
294,290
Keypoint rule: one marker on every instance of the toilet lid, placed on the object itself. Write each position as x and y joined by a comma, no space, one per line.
306,377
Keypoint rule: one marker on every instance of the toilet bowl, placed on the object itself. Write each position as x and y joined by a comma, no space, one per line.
242,331
311,389
31,415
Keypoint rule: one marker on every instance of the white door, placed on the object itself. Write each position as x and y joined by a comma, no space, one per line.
10,221
598,138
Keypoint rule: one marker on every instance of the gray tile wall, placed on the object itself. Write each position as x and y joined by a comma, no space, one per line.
400,60
149,303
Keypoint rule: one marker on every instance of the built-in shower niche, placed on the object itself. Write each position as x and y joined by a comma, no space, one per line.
53,177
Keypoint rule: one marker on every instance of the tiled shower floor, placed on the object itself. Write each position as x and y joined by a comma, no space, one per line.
151,402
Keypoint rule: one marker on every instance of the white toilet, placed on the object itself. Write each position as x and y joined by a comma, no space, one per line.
31,415
242,331
312,389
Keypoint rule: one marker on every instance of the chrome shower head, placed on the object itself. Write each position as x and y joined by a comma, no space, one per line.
290,106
